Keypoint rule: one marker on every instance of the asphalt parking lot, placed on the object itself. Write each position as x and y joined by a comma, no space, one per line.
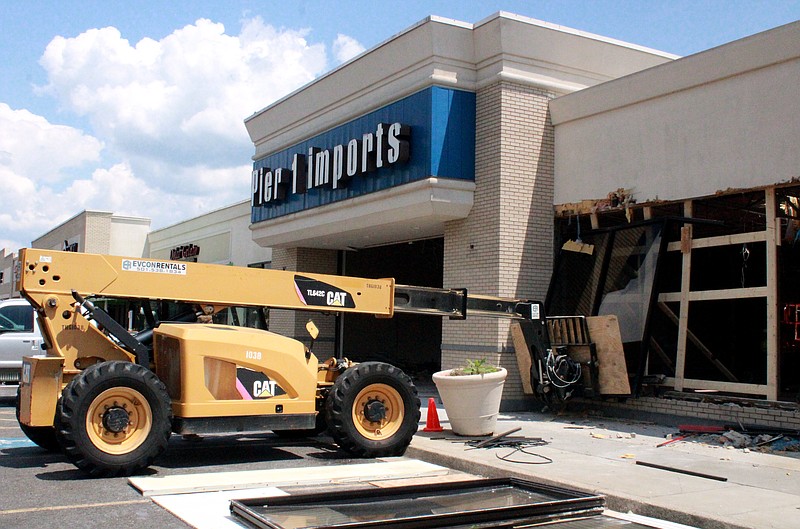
39,489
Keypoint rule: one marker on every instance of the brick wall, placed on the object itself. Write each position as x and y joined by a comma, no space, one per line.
505,246
683,411
292,323
98,233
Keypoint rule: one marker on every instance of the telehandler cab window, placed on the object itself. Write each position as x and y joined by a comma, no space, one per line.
252,317
242,317
130,314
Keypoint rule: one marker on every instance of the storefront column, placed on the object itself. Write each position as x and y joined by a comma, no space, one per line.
505,246
292,323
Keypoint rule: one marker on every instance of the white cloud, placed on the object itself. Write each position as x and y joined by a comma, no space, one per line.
36,193
168,140
180,100
345,48
29,209
39,150
118,190
36,157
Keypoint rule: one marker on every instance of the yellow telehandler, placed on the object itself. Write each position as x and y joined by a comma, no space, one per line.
110,398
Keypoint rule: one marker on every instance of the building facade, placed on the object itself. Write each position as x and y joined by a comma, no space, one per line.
98,232
430,159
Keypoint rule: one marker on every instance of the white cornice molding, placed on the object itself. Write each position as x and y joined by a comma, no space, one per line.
426,204
571,31
739,57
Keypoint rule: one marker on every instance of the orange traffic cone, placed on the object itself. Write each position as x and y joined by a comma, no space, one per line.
432,424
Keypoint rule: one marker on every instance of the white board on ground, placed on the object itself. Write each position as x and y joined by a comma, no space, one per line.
391,468
211,510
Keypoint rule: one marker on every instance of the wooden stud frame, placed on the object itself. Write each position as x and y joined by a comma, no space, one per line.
768,292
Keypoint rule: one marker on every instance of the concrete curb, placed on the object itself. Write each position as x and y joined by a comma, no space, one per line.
615,502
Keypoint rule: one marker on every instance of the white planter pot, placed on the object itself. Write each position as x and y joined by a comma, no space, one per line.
472,402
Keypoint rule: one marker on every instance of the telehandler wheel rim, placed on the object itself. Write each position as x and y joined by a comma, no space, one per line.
378,411
119,420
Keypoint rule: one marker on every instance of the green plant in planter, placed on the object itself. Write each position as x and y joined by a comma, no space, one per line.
474,367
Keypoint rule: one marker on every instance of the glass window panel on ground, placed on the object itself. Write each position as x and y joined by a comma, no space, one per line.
480,503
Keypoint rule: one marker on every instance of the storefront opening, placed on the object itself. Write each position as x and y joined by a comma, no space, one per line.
411,342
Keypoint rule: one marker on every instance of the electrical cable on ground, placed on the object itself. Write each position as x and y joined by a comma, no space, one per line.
522,449
518,445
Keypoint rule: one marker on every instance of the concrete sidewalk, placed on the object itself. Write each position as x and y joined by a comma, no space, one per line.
600,455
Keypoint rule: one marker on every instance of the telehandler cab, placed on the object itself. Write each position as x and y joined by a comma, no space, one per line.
110,399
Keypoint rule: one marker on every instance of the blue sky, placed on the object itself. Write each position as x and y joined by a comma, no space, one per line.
137,108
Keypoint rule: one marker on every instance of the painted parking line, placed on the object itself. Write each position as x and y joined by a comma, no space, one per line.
15,443
65,507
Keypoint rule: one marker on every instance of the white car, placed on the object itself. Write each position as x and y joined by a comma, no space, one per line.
19,336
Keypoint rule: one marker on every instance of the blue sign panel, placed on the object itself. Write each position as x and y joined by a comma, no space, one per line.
429,133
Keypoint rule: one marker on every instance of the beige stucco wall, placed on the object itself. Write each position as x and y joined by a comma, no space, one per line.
72,230
8,260
128,236
725,118
223,236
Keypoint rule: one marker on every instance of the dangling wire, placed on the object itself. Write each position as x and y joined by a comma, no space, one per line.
745,257
562,370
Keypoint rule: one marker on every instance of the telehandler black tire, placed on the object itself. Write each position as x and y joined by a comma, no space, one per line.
372,410
43,436
115,419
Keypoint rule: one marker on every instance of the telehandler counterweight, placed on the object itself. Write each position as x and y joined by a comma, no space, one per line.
110,398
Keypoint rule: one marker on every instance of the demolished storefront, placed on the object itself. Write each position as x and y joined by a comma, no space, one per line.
696,248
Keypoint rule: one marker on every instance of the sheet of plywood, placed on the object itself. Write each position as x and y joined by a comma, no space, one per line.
612,371
522,350
282,477
211,510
